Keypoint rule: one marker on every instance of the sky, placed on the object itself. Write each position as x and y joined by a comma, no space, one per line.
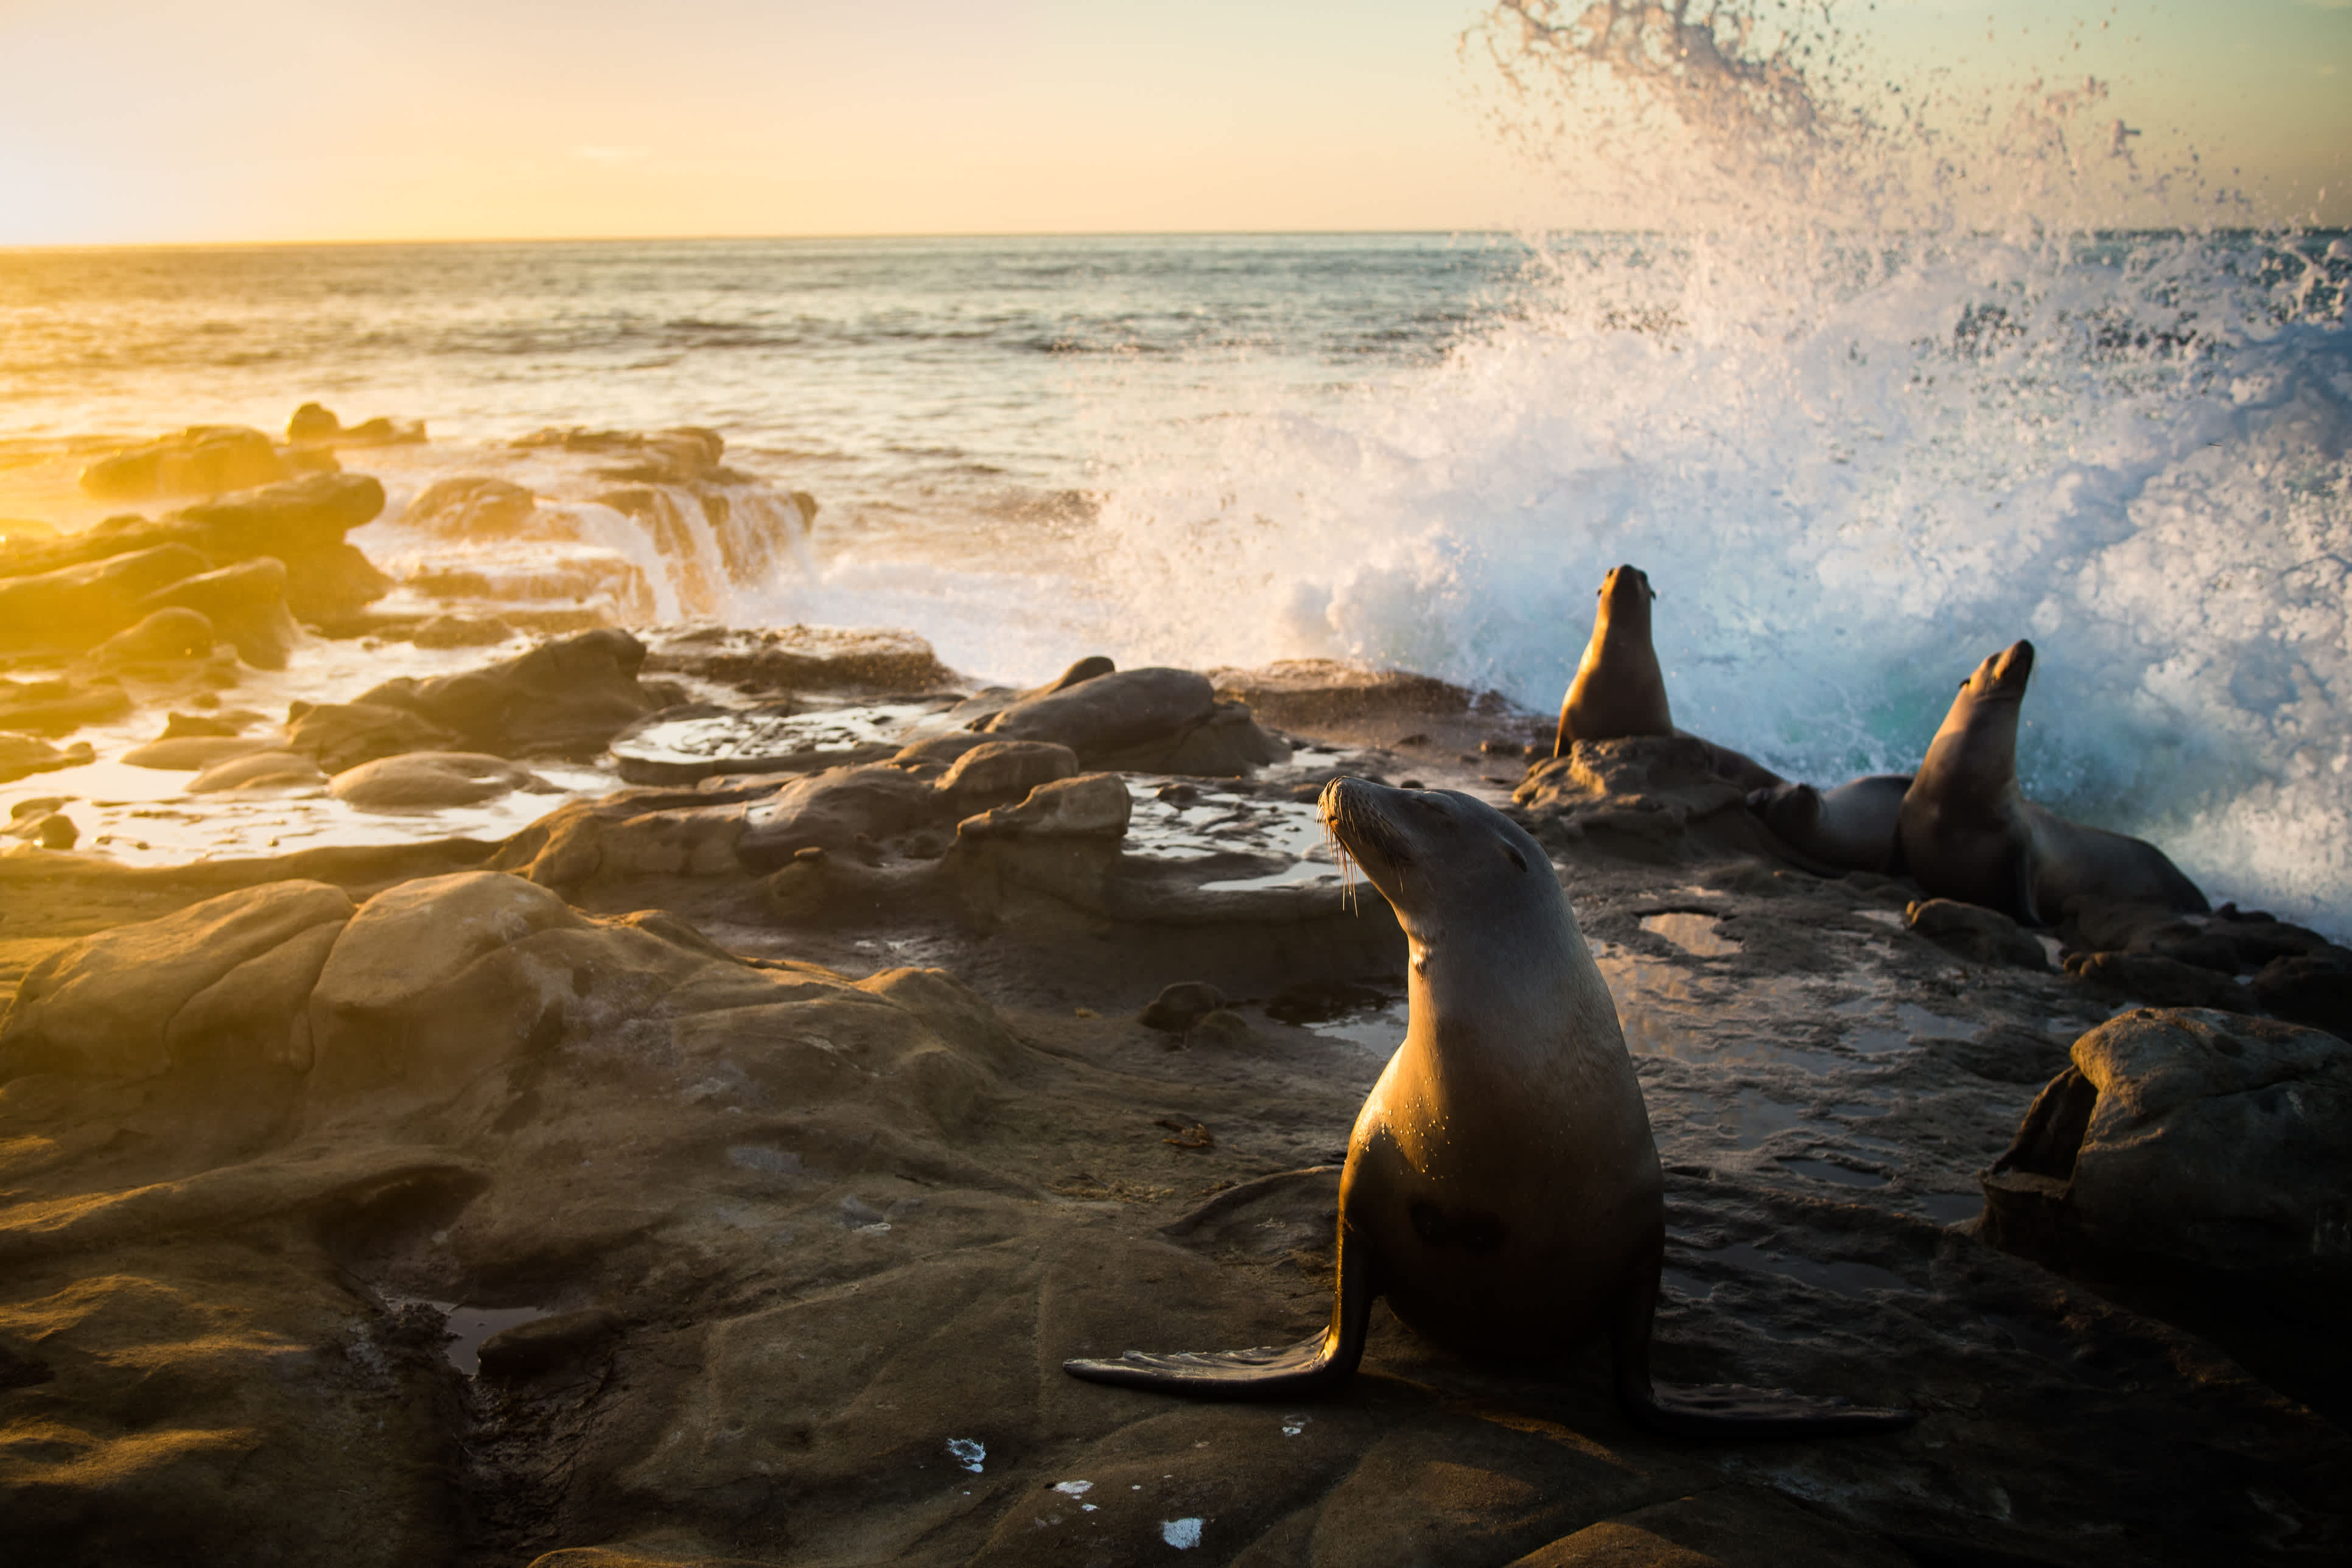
133,121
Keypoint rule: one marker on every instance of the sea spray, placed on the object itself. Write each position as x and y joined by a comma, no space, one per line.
1858,441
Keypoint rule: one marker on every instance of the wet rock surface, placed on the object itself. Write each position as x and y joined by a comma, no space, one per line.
768,1139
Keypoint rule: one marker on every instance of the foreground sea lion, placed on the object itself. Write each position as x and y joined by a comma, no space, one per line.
1850,828
1620,690
1501,1189
1966,832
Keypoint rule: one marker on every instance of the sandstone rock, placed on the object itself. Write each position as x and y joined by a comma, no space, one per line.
801,658
161,637
255,1018
203,459
80,605
245,604
404,998
1981,935
40,822
2164,982
476,509
547,1344
681,456
937,753
1324,692
1004,770
179,726
258,770
343,735
1222,1027
214,1406
315,425
105,1005
1181,1005
2193,1135
56,705
1143,719
568,697
1092,806
22,756
313,422
833,811
462,631
431,781
629,834
291,521
195,753
1647,797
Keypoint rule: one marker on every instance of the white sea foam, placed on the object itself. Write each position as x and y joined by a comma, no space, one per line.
1853,459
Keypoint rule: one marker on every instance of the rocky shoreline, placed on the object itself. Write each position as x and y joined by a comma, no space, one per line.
677,1099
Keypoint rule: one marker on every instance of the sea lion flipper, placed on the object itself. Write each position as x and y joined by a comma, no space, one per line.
1722,1410
1320,1362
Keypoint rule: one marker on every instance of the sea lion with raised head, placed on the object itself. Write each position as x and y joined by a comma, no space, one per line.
1849,828
1501,1188
1966,832
1620,690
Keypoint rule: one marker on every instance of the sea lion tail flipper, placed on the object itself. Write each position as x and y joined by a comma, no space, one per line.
1323,1361
1725,1410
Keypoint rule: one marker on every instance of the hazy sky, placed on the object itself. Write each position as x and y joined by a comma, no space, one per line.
126,120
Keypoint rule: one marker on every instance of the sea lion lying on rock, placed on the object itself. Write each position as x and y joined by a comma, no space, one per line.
1966,832
1501,1190
1621,691
1849,828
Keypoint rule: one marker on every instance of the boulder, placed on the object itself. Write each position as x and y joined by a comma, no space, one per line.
22,756
835,810
82,604
53,706
38,822
623,836
163,636
1658,798
1145,720
1979,935
998,771
1180,1007
300,524
2190,1135
317,426
431,781
341,735
801,658
192,752
258,770
568,697
1325,691
462,631
105,1005
203,459
245,604
1092,806
438,983
477,509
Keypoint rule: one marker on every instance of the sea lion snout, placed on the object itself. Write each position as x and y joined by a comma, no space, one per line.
2003,674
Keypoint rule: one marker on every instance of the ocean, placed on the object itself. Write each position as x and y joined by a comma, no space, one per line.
1852,465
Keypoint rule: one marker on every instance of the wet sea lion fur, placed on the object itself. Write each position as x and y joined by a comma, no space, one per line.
1501,1191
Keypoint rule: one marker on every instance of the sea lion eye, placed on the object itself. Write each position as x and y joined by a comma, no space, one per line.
1518,859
